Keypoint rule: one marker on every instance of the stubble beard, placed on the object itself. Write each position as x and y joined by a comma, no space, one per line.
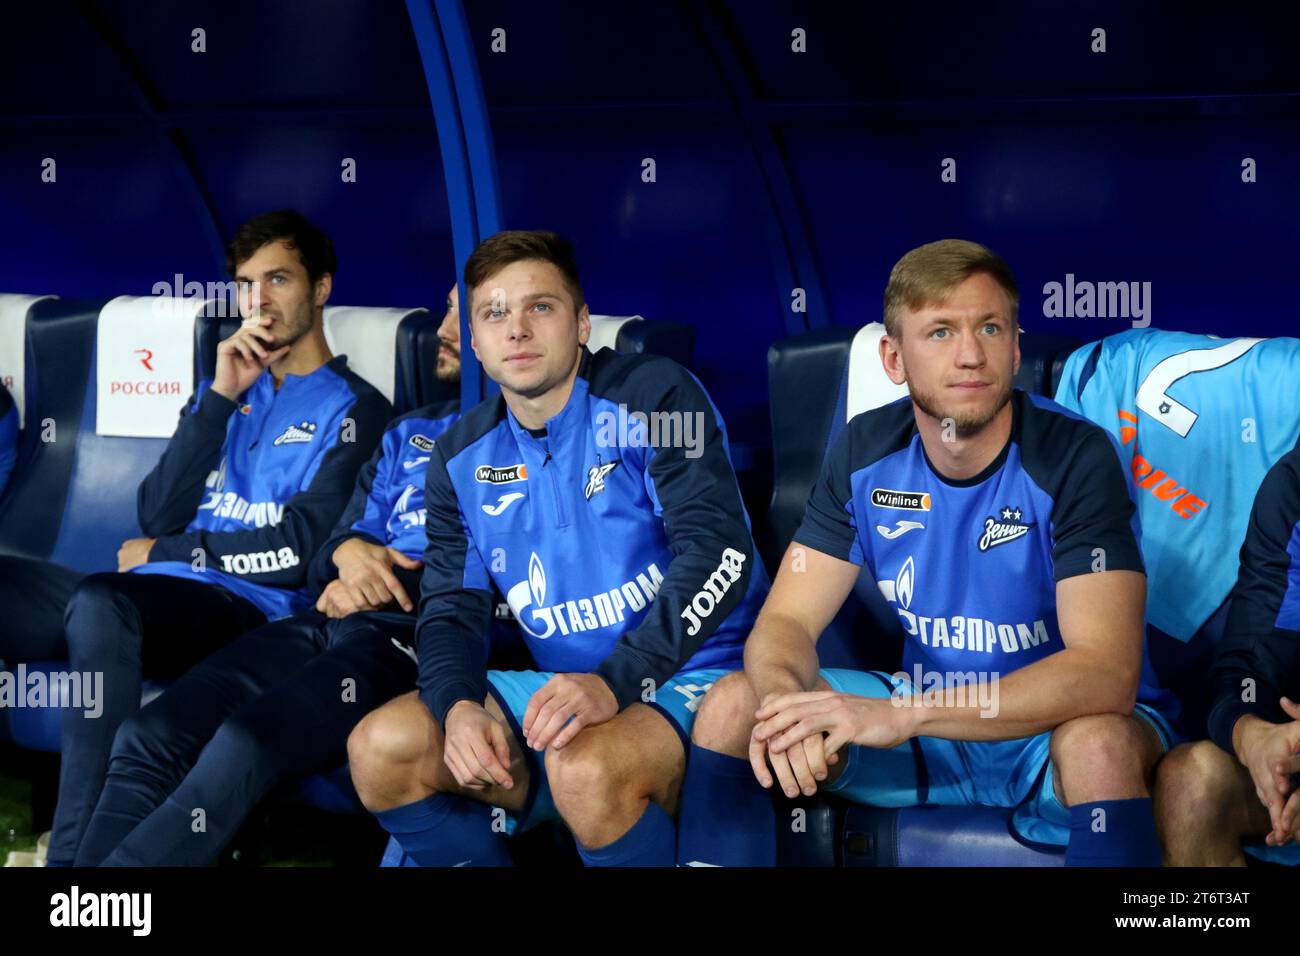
967,422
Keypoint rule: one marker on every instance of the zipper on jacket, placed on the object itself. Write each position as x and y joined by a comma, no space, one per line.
562,519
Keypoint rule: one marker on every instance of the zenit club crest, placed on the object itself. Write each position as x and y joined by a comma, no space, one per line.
1003,529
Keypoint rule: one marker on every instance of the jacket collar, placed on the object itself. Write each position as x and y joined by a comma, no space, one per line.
568,417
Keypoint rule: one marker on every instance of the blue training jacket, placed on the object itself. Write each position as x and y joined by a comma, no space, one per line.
387,505
620,550
247,491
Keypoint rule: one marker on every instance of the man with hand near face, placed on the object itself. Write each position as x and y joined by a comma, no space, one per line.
279,703
248,488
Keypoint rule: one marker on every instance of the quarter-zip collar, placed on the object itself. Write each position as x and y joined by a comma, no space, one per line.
563,422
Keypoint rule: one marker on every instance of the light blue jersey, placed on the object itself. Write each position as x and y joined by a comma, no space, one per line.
1200,420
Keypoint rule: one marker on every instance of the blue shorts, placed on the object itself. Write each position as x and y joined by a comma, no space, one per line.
677,700
1288,855
931,771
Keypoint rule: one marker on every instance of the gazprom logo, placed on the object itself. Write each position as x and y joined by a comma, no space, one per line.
904,582
537,580
527,600
900,589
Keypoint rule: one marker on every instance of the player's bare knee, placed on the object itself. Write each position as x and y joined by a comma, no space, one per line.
384,752
726,716
1195,788
585,775
1102,757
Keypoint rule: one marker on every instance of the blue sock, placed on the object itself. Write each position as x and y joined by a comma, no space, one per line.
652,841
726,817
1113,833
446,830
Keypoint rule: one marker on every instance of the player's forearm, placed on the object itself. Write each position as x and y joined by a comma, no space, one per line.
780,656
169,495
451,649
1245,733
1068,684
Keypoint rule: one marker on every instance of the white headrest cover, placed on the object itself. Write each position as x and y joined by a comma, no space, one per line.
604,330
13,336
369,339
144,365
869,386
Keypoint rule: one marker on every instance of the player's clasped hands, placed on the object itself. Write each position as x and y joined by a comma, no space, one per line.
1271,752
366,581
563,706
800,735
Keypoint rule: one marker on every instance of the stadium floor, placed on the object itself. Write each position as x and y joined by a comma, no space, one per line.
16,831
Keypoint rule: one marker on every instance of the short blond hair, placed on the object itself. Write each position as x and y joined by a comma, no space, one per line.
928,274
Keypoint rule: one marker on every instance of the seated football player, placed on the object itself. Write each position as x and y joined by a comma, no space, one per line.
260,468
1241,784
998,526
8,436
279,702
596,492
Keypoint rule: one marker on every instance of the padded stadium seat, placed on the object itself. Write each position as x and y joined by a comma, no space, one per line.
866,634
937,836
389,348
632,334
14,312
72,496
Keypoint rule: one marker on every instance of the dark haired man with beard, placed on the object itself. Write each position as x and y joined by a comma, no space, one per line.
279,703
258,471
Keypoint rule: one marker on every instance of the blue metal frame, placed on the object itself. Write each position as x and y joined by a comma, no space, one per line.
473,115
465,139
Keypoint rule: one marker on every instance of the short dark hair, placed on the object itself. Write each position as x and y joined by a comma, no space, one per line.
315,250
517,245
